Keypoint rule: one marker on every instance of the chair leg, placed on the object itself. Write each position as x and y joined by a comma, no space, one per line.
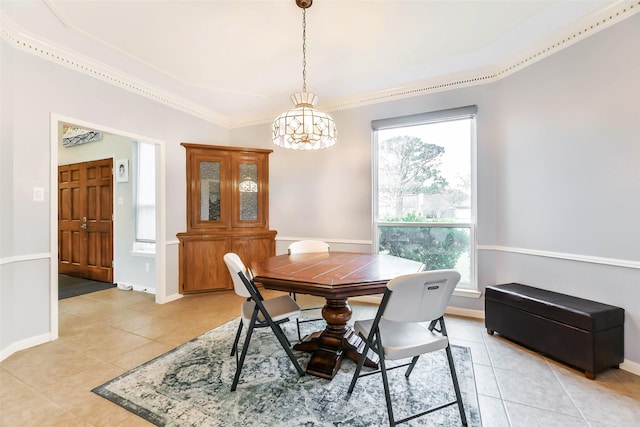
387,392
411,366
245,347
356,374
284,335
293,295
298,326
286,346
234,348
456,386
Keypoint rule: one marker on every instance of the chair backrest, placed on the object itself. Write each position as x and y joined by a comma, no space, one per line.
420,297
235,266
308,246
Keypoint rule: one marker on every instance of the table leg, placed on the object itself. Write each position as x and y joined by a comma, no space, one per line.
338,340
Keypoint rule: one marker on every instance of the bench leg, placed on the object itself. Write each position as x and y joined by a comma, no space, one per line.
590,375
490,331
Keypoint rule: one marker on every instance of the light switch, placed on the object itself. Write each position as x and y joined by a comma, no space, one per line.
38,194
120,201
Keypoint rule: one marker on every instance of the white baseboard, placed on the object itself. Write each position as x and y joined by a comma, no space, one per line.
24,344
144,289
169,298
456,311
630,366
465,312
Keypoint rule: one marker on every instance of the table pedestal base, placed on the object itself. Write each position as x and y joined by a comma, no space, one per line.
337,341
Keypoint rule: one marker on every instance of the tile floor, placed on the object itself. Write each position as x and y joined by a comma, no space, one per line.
106,333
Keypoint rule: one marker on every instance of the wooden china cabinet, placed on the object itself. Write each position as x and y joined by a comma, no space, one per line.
227,211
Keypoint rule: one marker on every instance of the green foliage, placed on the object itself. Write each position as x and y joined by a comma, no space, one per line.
437,248
407,165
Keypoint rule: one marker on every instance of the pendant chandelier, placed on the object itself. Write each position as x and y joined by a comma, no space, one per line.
304,127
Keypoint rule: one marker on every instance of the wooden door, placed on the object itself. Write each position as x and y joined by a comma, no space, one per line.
85,220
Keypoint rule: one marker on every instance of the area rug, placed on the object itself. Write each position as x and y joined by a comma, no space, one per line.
190,386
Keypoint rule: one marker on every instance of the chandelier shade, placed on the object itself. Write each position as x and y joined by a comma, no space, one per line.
304,127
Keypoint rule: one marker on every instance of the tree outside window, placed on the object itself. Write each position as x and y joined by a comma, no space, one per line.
424,194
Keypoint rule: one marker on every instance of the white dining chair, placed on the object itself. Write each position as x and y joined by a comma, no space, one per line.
256,312
304,247
400,331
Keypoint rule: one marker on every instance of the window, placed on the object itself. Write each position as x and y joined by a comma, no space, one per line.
145,197
424,189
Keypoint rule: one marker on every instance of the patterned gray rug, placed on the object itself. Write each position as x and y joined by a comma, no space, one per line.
189,386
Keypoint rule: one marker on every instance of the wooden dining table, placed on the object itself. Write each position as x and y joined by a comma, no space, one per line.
336,276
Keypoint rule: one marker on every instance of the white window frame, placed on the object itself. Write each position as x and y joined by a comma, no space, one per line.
426,118
142,245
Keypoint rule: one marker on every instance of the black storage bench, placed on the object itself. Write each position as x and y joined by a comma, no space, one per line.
585,334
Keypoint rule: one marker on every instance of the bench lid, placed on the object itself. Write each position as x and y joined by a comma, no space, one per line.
581,313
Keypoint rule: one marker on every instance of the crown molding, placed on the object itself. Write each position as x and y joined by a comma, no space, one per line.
49,51
569,35
586,27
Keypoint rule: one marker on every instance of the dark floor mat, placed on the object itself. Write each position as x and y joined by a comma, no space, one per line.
69,286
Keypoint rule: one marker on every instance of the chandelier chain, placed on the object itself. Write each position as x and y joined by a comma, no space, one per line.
304,50
303,127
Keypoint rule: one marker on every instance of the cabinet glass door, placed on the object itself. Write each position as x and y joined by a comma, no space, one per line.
250,172
248,189
207,190
210,196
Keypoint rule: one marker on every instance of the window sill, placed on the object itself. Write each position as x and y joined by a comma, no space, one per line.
143,253
467,293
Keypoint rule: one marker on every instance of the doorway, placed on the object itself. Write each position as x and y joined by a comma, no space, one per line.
156,260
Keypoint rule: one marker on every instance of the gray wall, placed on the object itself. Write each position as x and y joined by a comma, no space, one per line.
32,90
568,173
557,174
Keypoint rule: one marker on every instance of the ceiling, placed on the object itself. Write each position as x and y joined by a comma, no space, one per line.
237,62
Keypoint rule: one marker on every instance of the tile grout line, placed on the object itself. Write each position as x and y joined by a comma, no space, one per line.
493,370
550,367
555,374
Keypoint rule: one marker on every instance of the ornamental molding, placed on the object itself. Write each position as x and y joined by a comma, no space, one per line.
46,50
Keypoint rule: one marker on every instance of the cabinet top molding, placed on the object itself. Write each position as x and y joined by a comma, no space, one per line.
226,148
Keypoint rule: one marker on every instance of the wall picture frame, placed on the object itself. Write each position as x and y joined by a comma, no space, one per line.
122,170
